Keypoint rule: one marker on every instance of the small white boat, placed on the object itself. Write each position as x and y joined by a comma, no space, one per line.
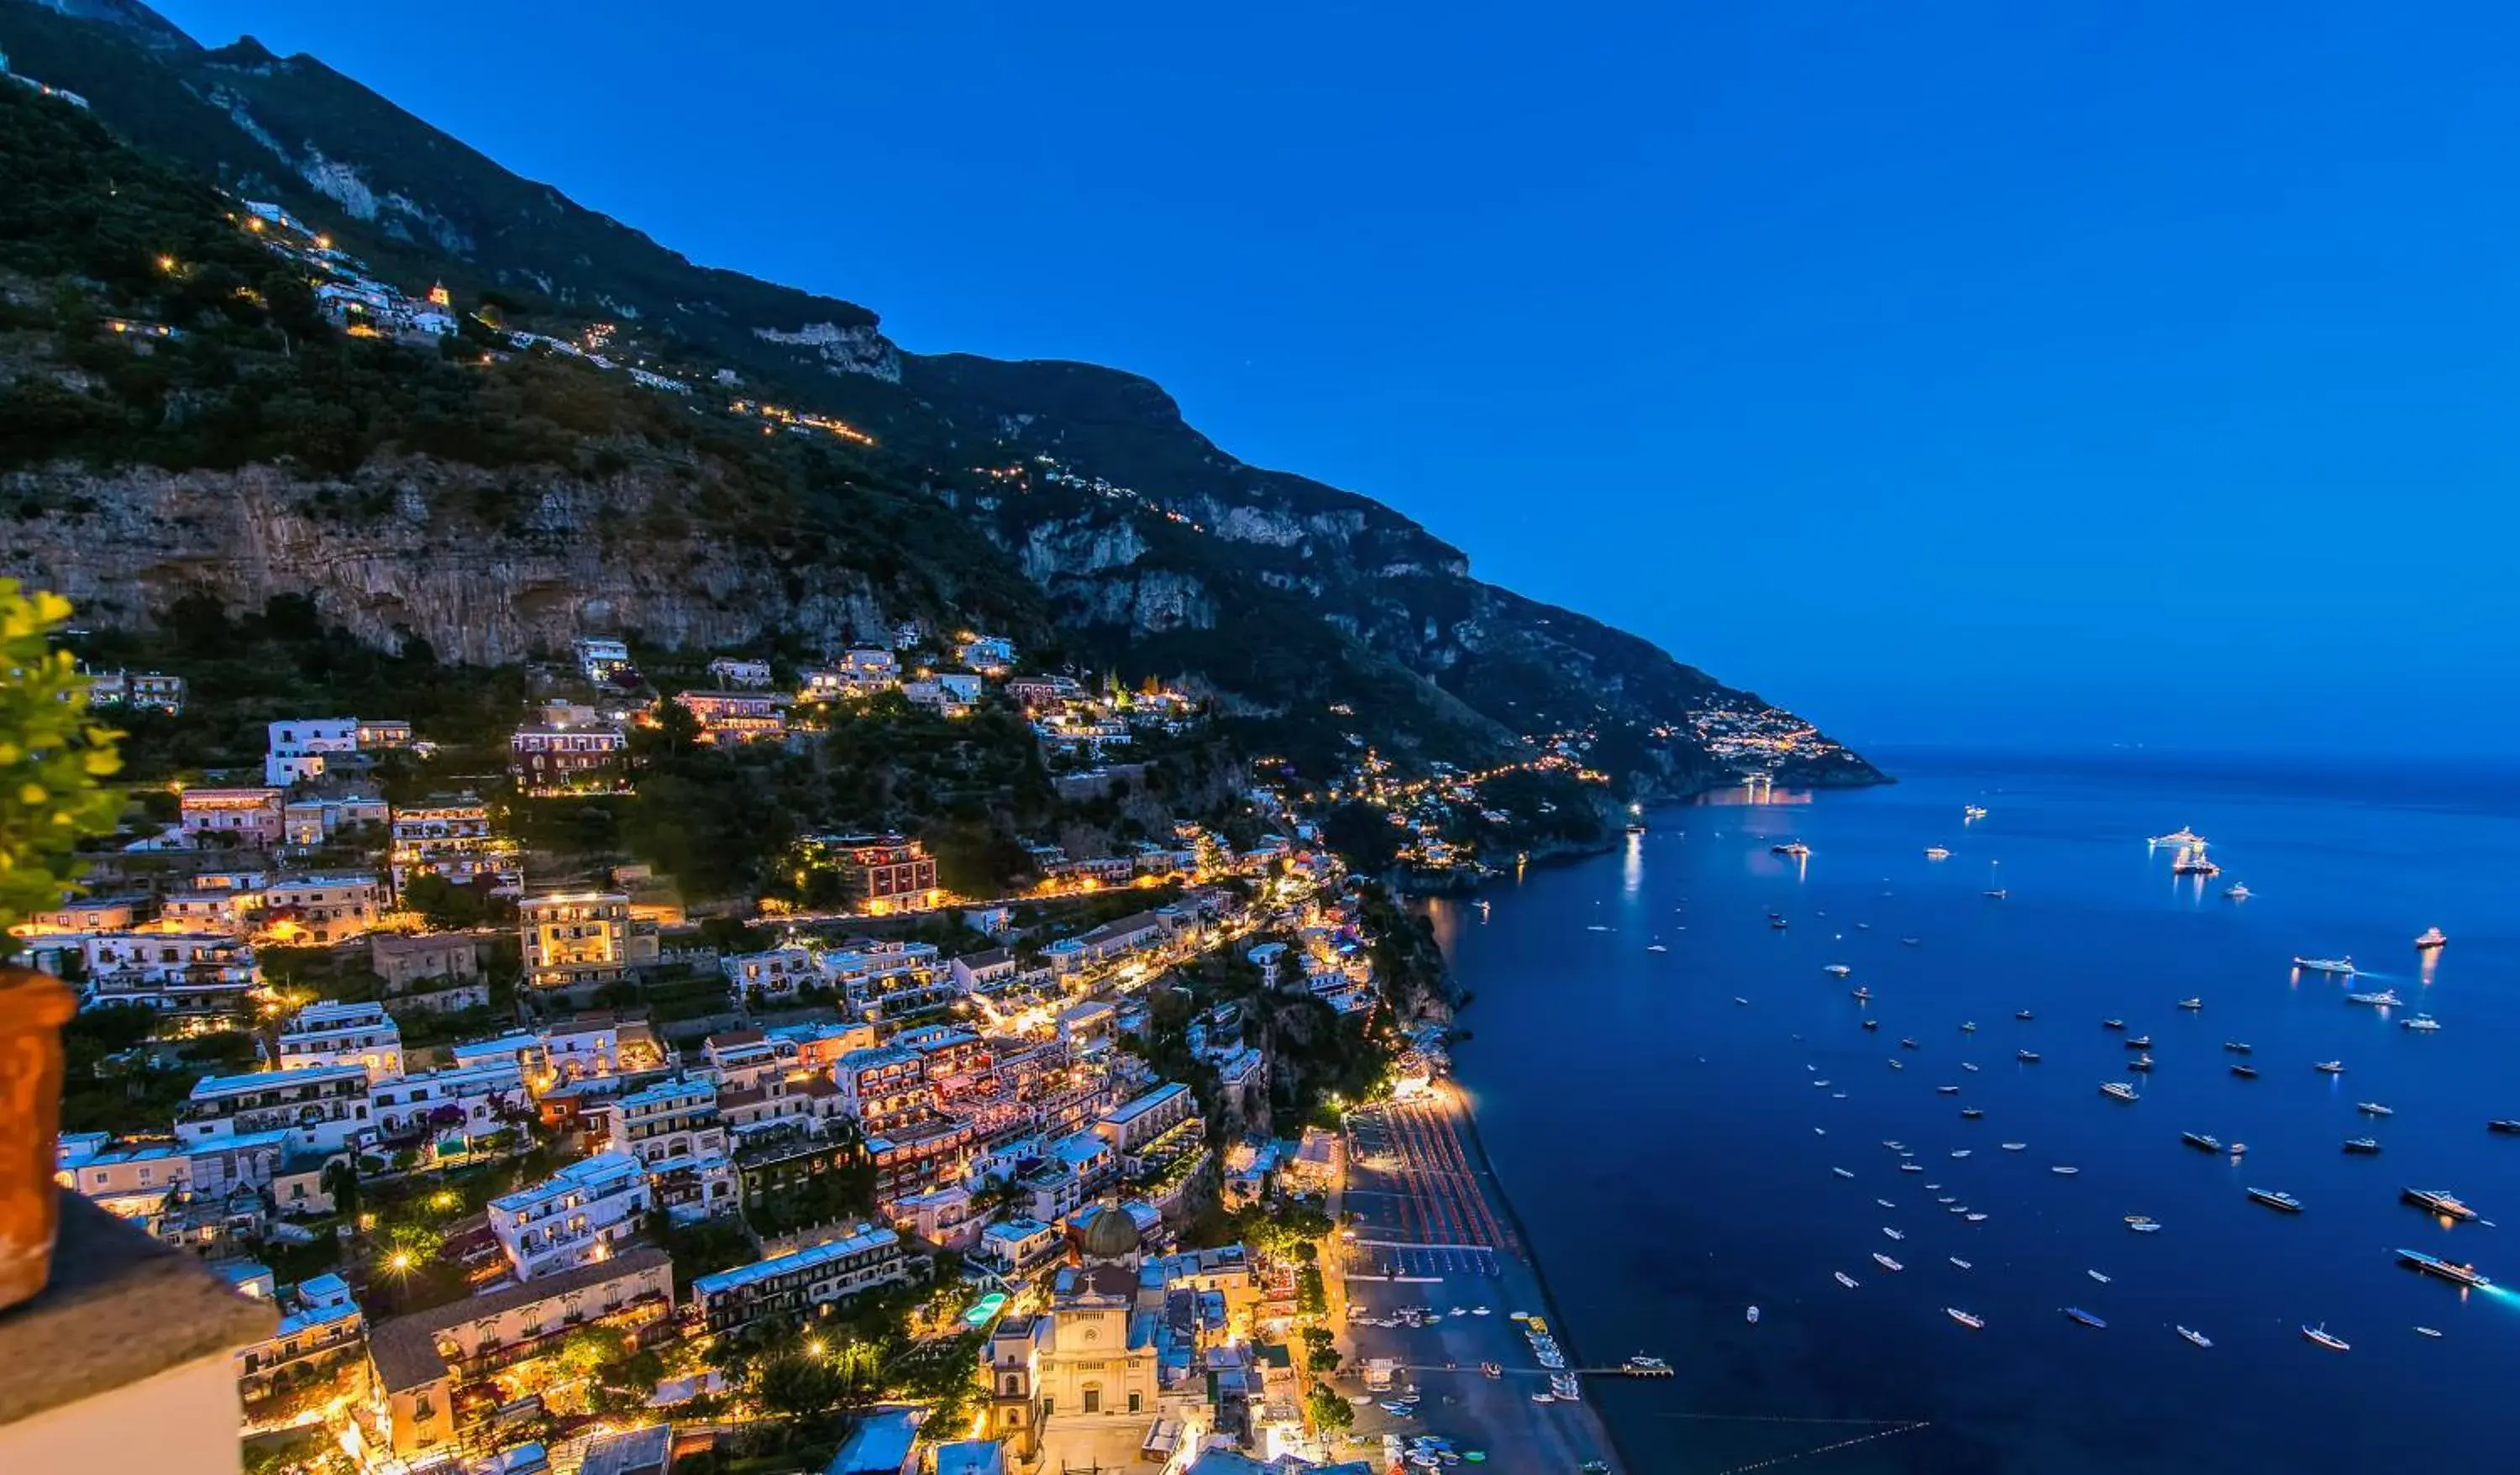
1738,999
2191,1004
1937,853
1893,1234
2338,965
1544,1398
1968,1066
1885,1203
2330,1067
1973,1324
1598,927
2422,1024
1962,1152
2385,999
1754,1316
2062,1171
2096,1275
1820,1131
2433,937
1976,1218
1887,1264
2239,891
1841,1172
1656,947
1836,970
2326,1338
2148,1227
2182,835
2198,1337
1845,1280
1895,1065
2374,1108
1962,1264
2427,1331
1912,1167
2016,1147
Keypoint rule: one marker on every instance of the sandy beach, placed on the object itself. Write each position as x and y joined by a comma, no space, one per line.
1433,1237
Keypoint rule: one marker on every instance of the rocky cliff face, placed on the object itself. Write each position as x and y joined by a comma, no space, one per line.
397,551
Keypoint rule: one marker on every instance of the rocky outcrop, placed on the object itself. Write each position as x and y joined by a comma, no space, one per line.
852,348
399,551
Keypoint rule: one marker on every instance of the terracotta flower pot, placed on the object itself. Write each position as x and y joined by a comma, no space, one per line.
33,1008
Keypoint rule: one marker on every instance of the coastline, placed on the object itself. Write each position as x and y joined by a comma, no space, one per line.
1435,1272
1477,1146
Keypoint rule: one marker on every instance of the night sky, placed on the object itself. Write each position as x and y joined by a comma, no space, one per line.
1962,373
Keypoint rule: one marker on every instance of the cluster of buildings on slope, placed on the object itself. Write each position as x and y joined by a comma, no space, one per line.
1005,1141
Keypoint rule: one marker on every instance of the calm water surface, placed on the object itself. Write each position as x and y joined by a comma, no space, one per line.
1659,1142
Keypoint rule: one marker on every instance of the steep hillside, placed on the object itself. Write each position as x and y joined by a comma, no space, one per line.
1070,500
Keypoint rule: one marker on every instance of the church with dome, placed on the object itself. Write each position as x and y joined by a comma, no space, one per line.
1120,1354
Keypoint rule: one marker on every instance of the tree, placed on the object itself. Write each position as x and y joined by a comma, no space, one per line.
1330,1413
801,1387
1311,1297
51,759
340,1178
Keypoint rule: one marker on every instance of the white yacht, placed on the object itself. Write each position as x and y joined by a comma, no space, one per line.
2239,891
2338,965
1937,853
2421,1024
2433,937
2182,835
2385,998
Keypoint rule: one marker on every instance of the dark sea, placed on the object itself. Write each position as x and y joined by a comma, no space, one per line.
1669,1150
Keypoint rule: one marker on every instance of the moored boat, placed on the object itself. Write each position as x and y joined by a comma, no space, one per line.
2330,1068
2433,937
2202,1140
2122,1091
2191,1004
2339,965
2198,1337
2026,1056
1845,1280
2385,998
2326,1338
2422,1024
1973,1324
2446,1270
2239,1046
2436,1201
1887,1264
2363,1146
2374,1108
2077,1314
2282,1202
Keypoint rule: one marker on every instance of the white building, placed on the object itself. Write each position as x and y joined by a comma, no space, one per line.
669,1122
458,1101
601,659
740,671
574,1217
180,971
324,1108
775,974
300,744
325,1033
989,653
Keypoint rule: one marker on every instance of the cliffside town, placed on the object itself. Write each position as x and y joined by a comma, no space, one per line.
686,870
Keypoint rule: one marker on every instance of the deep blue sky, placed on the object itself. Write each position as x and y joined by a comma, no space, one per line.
1949,371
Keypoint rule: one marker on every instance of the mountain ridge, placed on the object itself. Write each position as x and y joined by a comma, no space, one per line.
1150,547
